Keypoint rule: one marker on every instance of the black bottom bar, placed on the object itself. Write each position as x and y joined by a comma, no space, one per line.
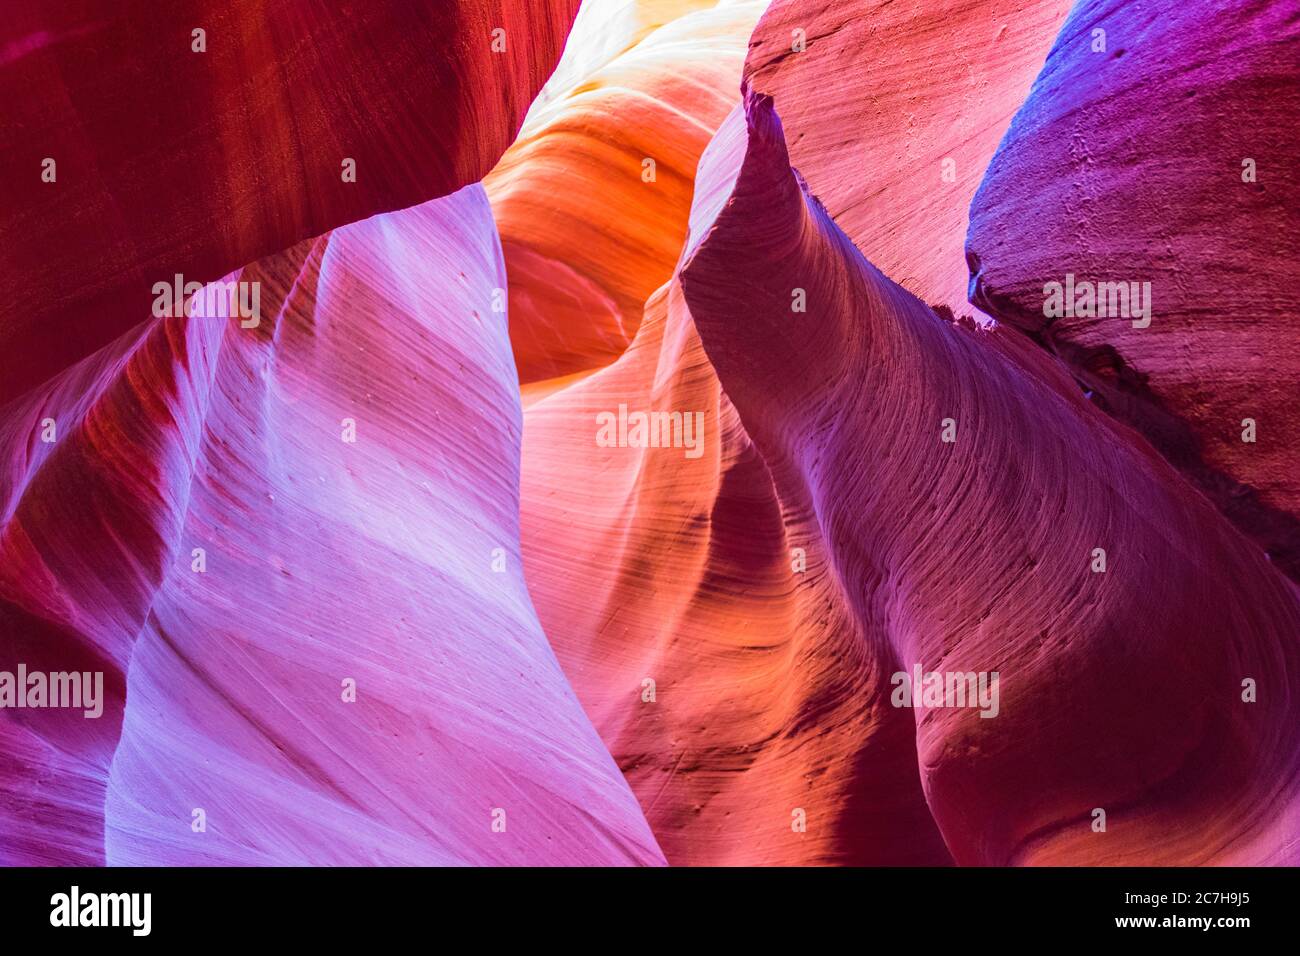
368,905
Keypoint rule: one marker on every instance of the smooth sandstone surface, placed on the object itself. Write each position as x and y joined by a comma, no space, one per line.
766,699
1168,159
1119,690
892,110
588,228
325,561
572,651
174,161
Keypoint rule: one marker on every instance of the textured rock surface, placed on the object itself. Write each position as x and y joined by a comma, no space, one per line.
881,96
586,237
706,678
169,160
326,560
1119,690
1128,164
691,560
766,697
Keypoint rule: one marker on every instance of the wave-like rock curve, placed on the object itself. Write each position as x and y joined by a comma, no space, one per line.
1120,690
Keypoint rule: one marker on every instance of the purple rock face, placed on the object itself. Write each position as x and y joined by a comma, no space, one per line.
1152,162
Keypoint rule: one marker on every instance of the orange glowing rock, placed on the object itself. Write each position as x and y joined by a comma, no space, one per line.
592,199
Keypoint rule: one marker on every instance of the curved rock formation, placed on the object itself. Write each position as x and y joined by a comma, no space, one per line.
358,598
168,158
707,640
313,573
732,690
592,198
892,112
1119,690
1149,158
688,556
